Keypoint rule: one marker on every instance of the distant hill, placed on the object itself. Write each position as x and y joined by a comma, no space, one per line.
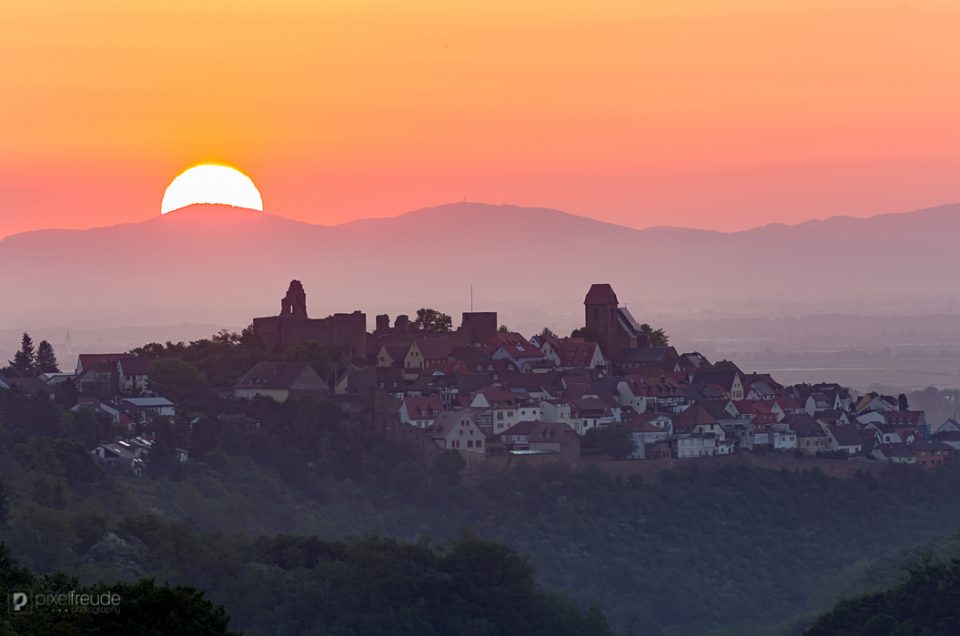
213,263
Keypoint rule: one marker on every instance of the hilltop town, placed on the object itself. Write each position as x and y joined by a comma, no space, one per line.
614,388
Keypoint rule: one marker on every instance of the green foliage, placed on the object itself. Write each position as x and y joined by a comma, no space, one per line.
222,359
449,466
547,332
586,333
176,379
613,440
926,601
143,607
433,321
381,586
321,358
656,337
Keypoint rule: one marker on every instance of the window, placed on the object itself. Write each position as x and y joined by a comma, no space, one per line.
479,443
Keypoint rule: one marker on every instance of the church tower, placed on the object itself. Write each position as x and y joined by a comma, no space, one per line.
600,312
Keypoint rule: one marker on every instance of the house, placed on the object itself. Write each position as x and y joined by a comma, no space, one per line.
782,437
950,425
811,436
515,348
591,411
98,371
424,353
876,402
894,453
142,409
933,453
25,385
118,456
761,386
658,450
577,353
549,346
697,420
845,437
504,408
279,381
457,430
729,381
688,445
647,430
759,411
133,374
653,389
690,363
817,402
420,412
789,405
663,359
534,436
115,412
392,355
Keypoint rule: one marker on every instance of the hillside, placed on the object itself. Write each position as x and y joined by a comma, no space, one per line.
697,552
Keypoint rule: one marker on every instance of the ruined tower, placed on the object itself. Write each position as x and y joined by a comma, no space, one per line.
294,304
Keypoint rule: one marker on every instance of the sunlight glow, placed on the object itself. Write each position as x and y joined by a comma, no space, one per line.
211,183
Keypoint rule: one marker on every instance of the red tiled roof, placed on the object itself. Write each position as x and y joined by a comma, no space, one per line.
692,417
576,352
136,365
421,408
87,361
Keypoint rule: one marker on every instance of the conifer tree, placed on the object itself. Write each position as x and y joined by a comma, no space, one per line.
25,360
46,359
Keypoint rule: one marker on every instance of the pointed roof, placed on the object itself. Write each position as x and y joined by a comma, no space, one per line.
601,294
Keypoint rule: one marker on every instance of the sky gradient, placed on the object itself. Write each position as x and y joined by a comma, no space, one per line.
723,115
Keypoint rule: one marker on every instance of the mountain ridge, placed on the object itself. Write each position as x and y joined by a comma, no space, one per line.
221,264
474,206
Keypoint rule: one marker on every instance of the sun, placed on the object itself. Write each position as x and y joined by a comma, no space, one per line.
211,183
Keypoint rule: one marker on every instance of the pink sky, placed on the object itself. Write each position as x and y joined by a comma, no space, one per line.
699,113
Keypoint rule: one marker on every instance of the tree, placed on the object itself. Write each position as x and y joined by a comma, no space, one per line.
432,321
46,359
589,334
176,379
320,357
613,440
547,333
449,465
503,329
656,337
25,360
902,403
141,607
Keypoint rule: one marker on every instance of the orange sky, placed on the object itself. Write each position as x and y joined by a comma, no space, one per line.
718,114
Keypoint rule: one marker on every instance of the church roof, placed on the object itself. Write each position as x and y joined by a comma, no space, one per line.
601,294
